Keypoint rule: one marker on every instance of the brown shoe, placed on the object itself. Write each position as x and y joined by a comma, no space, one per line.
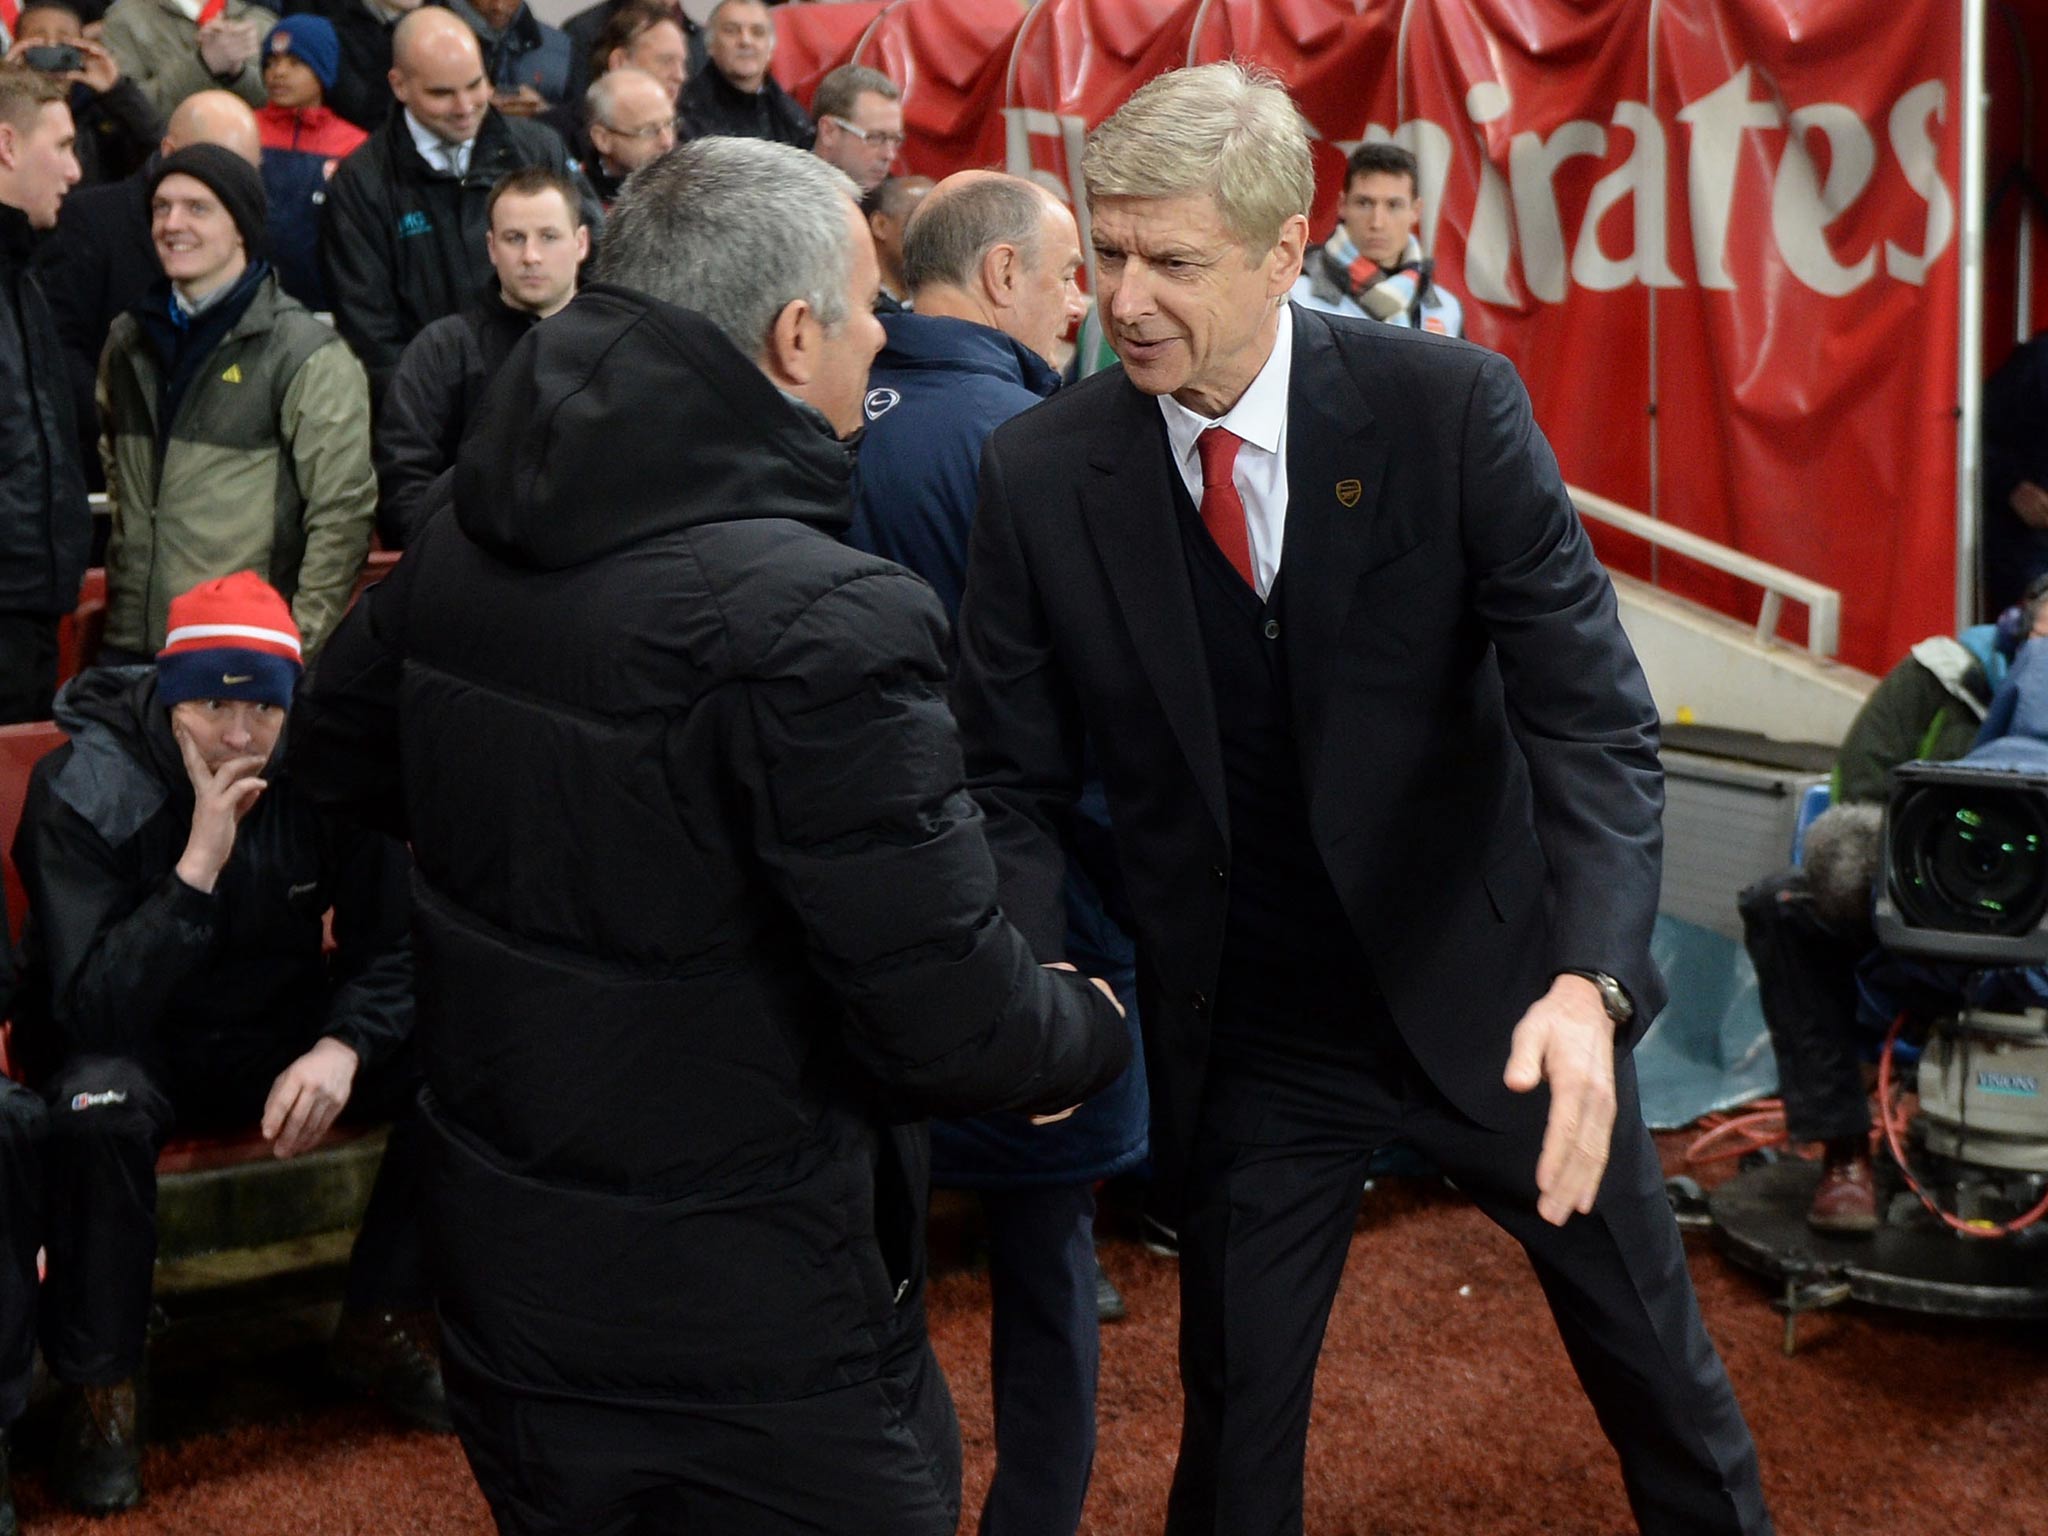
1846,1199
394,1357
99,1449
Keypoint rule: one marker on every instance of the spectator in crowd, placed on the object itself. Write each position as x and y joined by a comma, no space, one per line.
101,261
632,121
363,28
175,975
304,142
644,35
1373,266
991,261
2015,478
163,47
1807,928
754,718
44,526
888,209
734,95
403,242
237,426
1295,641
526,59
537,243
586,31
860,123
117,126
21,1234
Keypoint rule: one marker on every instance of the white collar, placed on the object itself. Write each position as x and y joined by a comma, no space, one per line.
434,149
1260,415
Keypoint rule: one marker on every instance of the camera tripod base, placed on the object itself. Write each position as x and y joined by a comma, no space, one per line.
1914,1264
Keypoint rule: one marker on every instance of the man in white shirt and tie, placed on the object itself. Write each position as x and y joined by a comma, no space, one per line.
403,240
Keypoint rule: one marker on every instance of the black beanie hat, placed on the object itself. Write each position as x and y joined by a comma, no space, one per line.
231,179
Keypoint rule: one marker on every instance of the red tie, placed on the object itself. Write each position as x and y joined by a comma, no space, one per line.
1222,507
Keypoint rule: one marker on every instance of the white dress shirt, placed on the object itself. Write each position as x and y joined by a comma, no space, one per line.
437,151
1260,474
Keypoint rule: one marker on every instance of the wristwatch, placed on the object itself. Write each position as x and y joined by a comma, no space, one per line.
1613,996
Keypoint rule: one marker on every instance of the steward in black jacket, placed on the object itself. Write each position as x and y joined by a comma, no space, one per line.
45,529
430,402
402,243
704,914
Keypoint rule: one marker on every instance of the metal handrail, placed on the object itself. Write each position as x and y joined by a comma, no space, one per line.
1823,604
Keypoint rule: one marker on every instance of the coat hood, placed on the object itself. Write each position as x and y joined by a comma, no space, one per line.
623,419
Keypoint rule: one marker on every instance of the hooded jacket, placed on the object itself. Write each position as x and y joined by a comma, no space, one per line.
45,528
119,954
250,454
702,905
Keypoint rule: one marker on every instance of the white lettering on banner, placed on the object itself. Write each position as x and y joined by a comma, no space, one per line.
1516,214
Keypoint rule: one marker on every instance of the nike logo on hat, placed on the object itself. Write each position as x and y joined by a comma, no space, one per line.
245,677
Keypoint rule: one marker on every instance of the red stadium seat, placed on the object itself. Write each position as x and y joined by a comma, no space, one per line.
79,632
951,57
813,40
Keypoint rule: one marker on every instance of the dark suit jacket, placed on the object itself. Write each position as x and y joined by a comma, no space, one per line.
1479,743
97,263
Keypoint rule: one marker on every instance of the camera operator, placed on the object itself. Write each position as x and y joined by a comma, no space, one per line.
117,127
1808,929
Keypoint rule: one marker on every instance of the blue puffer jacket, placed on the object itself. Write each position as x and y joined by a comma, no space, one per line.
937,390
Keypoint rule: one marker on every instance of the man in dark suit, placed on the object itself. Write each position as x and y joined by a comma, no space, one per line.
1382,772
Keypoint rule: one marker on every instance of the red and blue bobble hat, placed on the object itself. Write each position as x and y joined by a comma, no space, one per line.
232,638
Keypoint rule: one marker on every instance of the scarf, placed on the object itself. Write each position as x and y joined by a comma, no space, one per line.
1338,271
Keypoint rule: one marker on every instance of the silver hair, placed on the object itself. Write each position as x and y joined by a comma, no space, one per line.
736,229
602,96
839,91
1841,854
955,227
711,20
1221,129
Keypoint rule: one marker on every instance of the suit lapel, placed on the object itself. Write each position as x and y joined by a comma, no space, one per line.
1128,502
1336,460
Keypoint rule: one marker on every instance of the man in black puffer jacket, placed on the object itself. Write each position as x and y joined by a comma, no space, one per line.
704,915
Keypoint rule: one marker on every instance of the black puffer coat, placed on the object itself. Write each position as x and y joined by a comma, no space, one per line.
702,907
44,526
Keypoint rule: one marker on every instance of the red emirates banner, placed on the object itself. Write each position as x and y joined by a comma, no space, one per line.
1717,237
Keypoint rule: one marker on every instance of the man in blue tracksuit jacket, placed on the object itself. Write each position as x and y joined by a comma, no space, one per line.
991,261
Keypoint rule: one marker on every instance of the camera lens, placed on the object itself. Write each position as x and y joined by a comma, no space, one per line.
1972,860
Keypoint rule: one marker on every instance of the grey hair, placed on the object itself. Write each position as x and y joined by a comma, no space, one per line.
838,91
1222,130
1840,860
711,20
736,229
599,100
954,228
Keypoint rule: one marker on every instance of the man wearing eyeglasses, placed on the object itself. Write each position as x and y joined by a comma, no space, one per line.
860,123
632,121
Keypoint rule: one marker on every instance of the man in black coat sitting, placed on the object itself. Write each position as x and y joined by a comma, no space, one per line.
734,94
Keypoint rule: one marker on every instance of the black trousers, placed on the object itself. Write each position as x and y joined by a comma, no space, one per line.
1806,981
881,1458
1282,1152
1046,1349
109,1118
28,666
21,1135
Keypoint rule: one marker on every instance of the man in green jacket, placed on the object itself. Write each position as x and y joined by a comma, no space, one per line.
235,426
163,47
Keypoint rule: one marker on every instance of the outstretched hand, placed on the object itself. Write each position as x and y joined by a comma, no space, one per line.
1567,1040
